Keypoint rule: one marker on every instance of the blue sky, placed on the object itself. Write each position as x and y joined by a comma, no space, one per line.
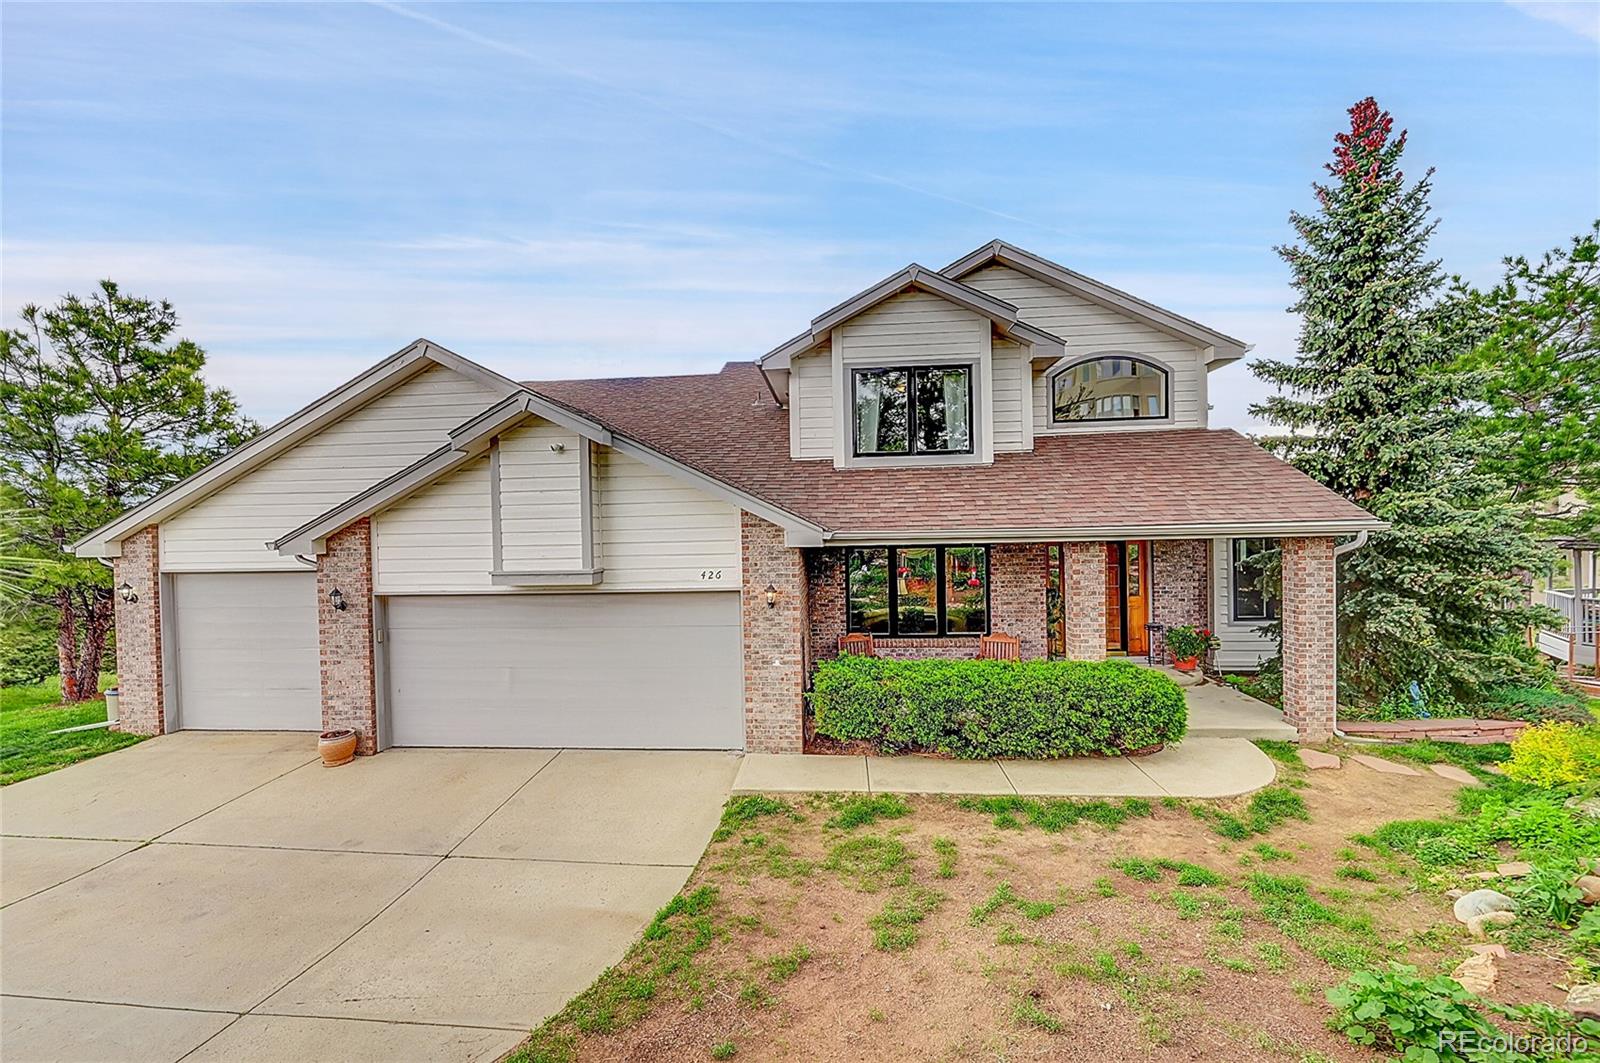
588,190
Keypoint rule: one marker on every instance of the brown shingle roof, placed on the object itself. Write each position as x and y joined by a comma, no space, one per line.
727,426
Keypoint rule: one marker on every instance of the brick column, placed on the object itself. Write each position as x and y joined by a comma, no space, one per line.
140,681
1180,585
349,681
1310,662
1083,602
1018,579
774,638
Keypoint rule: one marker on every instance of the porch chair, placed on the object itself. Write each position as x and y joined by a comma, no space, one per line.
998,647
859,643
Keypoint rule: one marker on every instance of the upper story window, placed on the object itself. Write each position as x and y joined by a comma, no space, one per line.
1113,388
913,410
1252,595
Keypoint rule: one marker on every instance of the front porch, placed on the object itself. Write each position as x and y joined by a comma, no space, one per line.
1079,600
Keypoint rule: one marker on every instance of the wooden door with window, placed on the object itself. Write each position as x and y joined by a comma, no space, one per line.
1127,596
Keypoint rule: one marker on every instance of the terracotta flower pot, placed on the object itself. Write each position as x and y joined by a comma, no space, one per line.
1185,664
336,747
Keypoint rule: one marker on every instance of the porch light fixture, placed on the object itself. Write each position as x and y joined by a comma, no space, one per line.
127,593
772,596
336,600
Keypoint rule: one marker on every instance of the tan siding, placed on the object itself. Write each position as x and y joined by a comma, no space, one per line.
1242,646
812,376
227,531
1010,392
658,533
437,539
541,526
914,325
1087,328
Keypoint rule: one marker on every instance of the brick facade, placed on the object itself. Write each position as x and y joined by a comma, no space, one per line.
775,638
1083,603
1310,694
1017,585
349,679
1180,586
140,682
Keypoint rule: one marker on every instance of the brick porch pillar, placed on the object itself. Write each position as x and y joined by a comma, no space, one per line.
1083,603
1017,588
1180,586
349,680
139,666
774,638
1310,692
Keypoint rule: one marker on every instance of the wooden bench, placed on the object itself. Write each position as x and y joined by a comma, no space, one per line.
858,643
998,647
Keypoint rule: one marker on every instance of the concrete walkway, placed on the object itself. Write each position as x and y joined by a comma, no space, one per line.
1216,710
212,896
1195,767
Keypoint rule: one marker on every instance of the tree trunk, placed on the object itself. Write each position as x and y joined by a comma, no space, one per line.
67,644
96,625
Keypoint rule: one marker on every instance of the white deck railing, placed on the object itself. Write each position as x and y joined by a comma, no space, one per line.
1575,641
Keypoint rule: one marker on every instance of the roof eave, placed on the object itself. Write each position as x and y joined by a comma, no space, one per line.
1229,348
105,541
1201,530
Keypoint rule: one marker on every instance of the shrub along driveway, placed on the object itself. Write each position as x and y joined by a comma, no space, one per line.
222,896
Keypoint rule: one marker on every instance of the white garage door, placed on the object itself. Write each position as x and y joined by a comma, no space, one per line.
602,671
247,651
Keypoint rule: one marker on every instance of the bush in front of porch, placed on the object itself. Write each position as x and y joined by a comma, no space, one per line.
980,709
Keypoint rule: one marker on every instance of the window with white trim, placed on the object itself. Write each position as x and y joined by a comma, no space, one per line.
1115,387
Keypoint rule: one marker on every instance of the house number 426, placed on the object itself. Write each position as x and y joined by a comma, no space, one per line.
711,573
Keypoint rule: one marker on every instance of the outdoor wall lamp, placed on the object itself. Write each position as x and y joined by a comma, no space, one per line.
772,596
127,593
336,599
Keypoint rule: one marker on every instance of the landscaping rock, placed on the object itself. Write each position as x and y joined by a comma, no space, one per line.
1483,876
1388,767
1493,948
1477,973
1515,869
1483,902
1478,926
1589,806
1457,894
1584,1001
1316,758
1455,774
1590,885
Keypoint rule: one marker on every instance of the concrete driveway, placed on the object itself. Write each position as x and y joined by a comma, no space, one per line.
222,896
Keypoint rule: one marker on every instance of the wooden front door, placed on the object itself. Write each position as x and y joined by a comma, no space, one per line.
1127,596
1136,593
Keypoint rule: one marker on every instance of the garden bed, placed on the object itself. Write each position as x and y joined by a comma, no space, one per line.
1465,731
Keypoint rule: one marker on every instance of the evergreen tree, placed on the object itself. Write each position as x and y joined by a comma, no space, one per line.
1539,360
1376,409
99,409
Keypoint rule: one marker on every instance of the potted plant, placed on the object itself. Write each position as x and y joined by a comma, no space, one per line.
336,747
1187,644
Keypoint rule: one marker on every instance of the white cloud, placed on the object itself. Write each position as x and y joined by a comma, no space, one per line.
1581,17
282,327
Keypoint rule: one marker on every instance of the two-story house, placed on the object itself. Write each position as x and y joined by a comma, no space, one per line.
436,555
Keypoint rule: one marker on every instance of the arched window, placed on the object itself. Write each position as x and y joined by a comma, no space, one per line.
1113,387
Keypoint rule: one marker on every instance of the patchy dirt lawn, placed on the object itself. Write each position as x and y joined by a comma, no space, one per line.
824,928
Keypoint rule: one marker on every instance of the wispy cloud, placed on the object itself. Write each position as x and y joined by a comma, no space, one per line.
1580,16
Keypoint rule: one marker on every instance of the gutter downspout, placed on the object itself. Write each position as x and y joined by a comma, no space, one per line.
1339,551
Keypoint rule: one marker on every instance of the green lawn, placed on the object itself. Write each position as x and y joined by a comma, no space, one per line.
28,715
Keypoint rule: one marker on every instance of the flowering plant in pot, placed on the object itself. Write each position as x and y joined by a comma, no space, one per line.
1187,644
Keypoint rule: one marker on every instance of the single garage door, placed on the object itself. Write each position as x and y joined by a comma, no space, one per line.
247,651
602,671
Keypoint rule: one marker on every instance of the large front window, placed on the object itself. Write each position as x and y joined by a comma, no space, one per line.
1115,388
908,591
913,410
1253,598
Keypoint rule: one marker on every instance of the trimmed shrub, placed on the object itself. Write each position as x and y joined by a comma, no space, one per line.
979,709
1556,755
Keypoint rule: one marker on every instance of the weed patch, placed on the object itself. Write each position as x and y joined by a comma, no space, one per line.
860,810
872,861
945,850
741,811
1055,815
894,929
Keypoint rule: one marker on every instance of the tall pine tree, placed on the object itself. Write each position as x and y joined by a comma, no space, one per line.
1375,409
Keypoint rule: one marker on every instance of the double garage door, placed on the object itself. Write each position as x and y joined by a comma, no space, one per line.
640,671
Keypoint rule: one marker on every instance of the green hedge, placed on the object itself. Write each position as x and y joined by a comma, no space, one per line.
978,709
